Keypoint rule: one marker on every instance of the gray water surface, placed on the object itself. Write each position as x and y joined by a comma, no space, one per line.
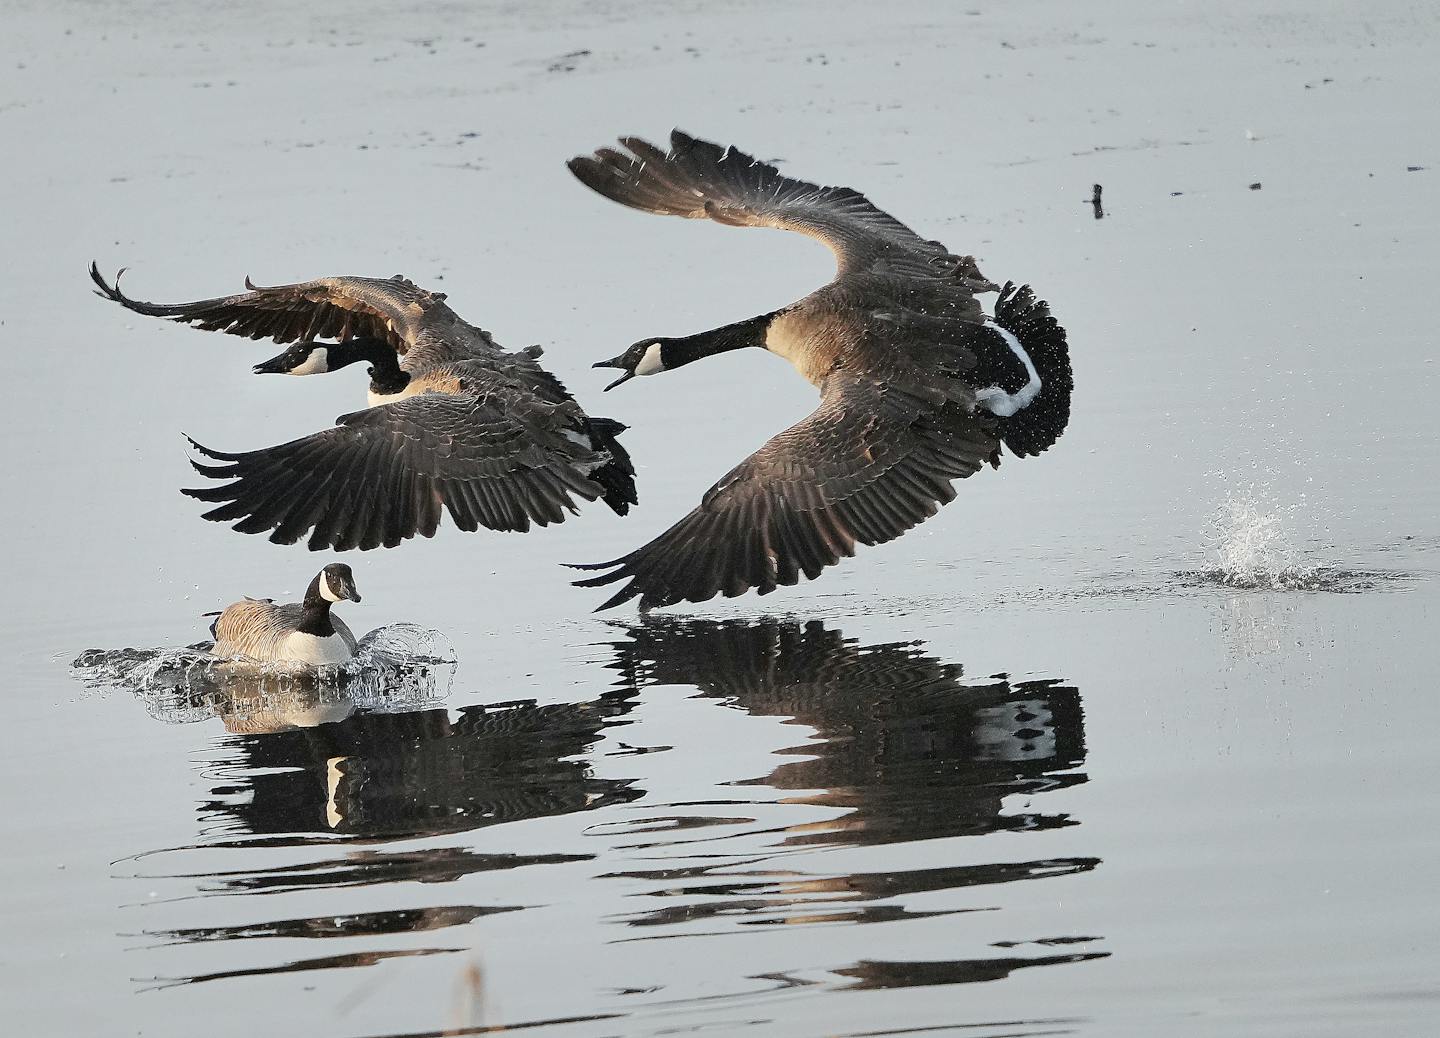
1131,739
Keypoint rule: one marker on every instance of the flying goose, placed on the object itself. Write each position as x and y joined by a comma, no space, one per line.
298,632
918,385
453,421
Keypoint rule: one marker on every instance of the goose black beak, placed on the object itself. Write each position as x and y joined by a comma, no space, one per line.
273,366
617,362
354,596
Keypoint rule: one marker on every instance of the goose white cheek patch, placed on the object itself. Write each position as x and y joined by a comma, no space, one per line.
315,364
651,363
326,592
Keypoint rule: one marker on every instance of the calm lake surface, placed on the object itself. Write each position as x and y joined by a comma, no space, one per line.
1134,738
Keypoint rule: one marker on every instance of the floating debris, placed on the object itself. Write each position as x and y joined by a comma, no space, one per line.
568,62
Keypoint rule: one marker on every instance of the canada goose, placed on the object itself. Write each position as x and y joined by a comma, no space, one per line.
299,632
492,436
918,386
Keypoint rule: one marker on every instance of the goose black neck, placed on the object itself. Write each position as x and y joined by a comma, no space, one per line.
316,618
737,336
385,373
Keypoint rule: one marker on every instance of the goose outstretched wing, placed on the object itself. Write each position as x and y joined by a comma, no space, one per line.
700,180
386,473
869,464
391,309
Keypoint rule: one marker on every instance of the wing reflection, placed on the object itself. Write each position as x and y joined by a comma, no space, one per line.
897,749
423,773
377,778
907,748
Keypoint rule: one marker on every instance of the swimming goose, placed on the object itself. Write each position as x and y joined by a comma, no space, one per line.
918,385
453,420
299,632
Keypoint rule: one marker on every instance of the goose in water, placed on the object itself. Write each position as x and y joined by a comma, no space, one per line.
298,632
918,386
453,421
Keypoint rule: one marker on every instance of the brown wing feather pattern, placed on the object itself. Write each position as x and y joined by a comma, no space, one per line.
869,464
700,180
327,308
384,474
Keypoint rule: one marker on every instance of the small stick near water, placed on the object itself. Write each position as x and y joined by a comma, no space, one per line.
1095,202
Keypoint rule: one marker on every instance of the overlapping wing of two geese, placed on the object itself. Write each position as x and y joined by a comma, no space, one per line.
918,388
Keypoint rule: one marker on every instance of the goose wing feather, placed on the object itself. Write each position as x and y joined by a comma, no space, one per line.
869,464
489,454
254,628
701,180
391,309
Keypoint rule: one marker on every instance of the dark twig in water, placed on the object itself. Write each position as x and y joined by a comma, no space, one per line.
1095,202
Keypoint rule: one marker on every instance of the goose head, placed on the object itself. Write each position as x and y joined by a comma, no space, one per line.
337,583
314,358
305,358
646,357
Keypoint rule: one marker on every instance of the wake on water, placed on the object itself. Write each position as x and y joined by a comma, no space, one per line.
399,667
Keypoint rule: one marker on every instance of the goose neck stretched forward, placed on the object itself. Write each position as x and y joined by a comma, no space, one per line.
654,355
387,378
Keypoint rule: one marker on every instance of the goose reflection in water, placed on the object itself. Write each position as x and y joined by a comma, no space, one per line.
905,748
910,750
312,770
422,773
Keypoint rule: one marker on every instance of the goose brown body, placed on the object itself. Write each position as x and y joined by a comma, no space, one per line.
457,424
303,632
919,386
262,630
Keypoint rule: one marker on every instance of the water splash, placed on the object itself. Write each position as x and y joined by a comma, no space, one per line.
1249,543
396,668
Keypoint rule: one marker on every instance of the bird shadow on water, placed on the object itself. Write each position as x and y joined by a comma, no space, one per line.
904,749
